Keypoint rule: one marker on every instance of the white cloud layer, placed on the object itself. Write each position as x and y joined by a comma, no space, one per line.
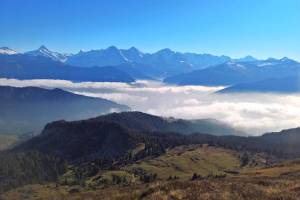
255,113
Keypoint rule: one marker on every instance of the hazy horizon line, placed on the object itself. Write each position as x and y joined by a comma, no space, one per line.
147,51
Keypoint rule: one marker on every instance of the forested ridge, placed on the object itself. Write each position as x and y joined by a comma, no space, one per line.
96,144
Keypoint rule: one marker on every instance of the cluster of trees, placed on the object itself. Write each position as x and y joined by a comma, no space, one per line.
148,178
18,169
210,175
120,180
173,177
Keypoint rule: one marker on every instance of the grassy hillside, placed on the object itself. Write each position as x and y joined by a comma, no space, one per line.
285,169
184,161
109,161
280,181
246,188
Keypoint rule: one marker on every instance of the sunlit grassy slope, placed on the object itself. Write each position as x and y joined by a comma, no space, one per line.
284,170
280,181
246,188
184,161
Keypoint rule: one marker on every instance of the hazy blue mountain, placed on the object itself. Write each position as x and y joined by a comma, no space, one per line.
30,108
7,51
246,59
23,66
224,74
167,62
200,61
289,84
160,64
138,71
127,60
44,51
175,67
103,57
157,65
133,55
231,73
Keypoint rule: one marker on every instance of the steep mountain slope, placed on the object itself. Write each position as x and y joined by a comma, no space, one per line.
200,61
40,67
30,108
82,139
168,62
44,51
103,57
133,55
7,51
238,72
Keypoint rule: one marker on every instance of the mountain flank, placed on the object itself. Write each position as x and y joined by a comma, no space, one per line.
29,109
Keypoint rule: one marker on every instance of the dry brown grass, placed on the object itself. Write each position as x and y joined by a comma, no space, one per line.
213,189
184,161
279,182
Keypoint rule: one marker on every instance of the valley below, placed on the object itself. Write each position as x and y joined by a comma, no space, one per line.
253,113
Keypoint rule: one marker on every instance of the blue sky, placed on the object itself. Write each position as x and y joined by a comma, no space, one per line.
262,28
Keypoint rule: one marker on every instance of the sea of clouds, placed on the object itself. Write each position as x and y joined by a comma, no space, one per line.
255,113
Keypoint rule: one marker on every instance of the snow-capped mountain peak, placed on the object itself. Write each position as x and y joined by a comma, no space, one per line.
246,59
286,59
134,50
44,51
43,48
7,51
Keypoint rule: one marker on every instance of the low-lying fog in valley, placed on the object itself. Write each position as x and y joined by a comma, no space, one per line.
256,113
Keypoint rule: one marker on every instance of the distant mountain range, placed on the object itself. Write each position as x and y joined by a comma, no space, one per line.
127,65
160,64
232,73
290,84
24,66
7,51
28,109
